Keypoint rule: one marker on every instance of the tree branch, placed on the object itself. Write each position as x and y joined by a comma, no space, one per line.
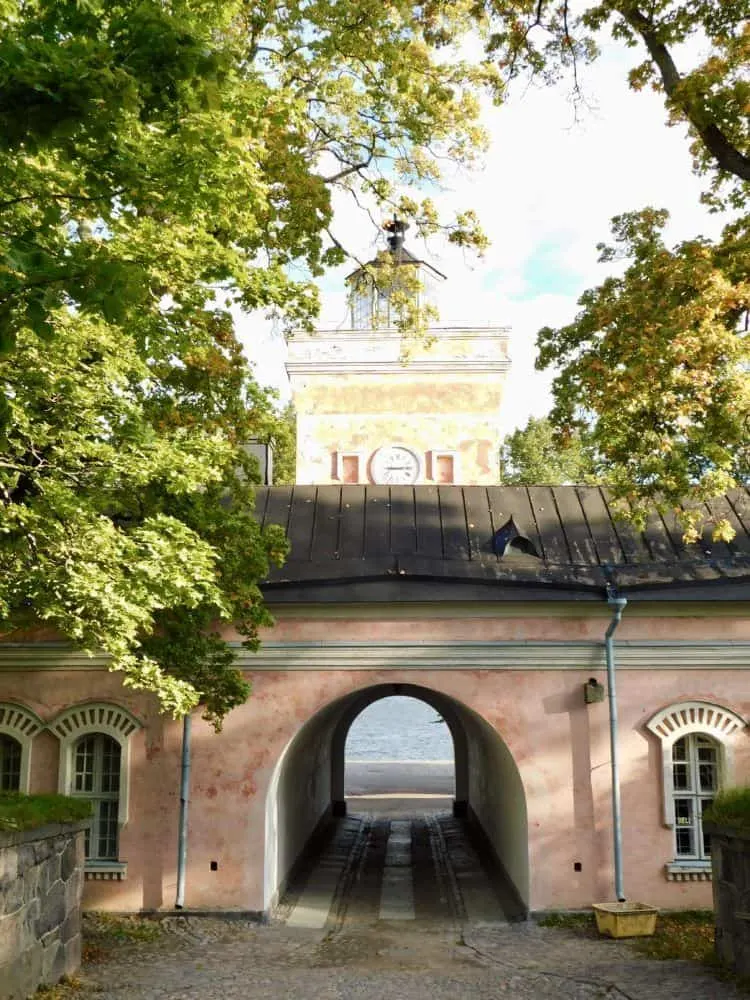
728,157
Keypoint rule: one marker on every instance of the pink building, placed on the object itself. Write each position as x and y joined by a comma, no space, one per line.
490,604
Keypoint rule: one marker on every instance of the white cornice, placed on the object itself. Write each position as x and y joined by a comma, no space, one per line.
296,656
455,365
390,333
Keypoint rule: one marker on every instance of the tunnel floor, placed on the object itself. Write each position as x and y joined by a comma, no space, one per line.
416,866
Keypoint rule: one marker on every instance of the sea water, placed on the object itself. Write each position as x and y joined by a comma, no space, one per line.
399,728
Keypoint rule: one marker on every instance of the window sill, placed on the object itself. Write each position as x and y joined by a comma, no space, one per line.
686,871
105,871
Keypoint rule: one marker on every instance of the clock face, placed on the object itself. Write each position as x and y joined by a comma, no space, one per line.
394,465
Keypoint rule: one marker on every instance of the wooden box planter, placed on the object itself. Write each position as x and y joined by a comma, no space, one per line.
730,865
621,920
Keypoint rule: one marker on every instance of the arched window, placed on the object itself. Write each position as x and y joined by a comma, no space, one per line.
96,776
10,764
18,727
695,781
696,743
94,764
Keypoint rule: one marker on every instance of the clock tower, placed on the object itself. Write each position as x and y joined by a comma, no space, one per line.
374,410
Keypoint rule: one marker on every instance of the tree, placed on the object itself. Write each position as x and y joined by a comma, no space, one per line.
536,454
659,356
547,38
656,361
127,516
284,446
162,165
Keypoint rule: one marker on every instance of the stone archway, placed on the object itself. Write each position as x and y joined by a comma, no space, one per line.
307,787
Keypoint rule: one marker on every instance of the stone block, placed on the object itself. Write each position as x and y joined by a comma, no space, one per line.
8,866
53,909
28,971
73,890
71,926
72,955
68,860
11,899
11,938
53,962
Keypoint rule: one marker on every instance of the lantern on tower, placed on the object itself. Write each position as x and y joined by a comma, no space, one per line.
378,289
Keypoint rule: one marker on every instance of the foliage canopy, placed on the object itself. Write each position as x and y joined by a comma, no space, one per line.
537,454
163,164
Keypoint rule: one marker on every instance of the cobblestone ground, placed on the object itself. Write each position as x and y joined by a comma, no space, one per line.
216,960
393,908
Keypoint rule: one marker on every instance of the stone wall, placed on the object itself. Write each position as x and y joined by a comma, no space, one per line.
41,878
730,863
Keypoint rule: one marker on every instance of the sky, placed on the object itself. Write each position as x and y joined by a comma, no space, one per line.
545,194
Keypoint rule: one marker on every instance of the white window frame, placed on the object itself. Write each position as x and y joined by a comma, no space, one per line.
341,455
684,719
20,724
87,720
437,453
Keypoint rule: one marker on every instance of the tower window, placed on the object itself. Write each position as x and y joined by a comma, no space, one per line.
444,467
349,466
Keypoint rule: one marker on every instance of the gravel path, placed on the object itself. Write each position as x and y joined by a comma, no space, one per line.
396,907
232,960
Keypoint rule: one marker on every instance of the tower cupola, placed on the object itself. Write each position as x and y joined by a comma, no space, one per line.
375,288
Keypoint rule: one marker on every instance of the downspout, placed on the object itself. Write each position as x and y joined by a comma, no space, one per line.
618,604
184,794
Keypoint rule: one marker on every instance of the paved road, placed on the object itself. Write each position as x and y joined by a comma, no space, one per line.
418,866
372,777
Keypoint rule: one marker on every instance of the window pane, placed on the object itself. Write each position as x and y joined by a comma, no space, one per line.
679,750
683,812
83,780
110,776
107,832
707,777
681,777
10,764
684,840
705,803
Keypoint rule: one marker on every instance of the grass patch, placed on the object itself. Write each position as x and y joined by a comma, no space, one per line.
68,988
583,921
731,807
687,935
25,812
103,932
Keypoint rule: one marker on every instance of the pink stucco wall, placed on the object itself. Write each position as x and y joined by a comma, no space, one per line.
559,744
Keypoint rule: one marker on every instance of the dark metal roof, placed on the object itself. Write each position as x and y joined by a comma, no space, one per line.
540,539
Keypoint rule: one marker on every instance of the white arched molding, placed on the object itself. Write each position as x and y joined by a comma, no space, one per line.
21,724
98,717
676,721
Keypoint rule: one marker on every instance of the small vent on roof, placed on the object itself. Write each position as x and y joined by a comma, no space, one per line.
508,540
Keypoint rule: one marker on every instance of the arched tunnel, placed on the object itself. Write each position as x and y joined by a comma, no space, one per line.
306,797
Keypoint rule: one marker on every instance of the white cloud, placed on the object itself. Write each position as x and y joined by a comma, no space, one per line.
546,193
